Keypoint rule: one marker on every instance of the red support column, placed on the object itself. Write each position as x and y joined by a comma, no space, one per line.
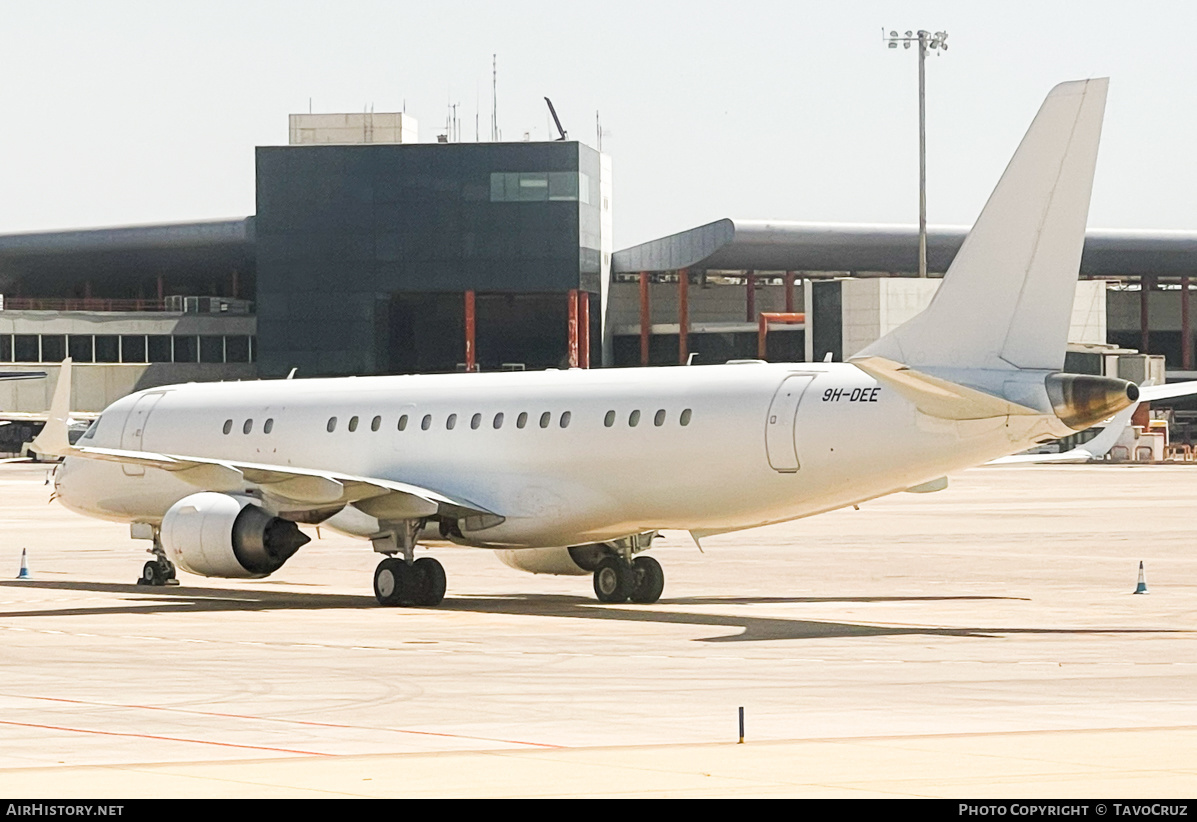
584,330
1145,284
236,285
750,297
645,318
161,287
683,315
573,328
789,292
1186,341
471,364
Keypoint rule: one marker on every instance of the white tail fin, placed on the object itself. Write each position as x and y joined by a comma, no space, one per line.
53,441
1006,301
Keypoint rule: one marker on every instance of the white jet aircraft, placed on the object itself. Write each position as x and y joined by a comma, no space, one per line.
577,471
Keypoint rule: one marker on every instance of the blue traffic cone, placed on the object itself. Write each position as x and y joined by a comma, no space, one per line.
24,574
1141,588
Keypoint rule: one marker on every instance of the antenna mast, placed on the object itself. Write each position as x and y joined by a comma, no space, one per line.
494,99
553,112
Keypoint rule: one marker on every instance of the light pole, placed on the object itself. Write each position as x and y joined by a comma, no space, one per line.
937,41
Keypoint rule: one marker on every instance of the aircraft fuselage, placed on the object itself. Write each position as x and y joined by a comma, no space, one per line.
565,457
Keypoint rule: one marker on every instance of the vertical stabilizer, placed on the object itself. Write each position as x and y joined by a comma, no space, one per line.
54,441
1006,301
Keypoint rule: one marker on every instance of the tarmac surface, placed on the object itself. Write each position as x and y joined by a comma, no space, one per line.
983,641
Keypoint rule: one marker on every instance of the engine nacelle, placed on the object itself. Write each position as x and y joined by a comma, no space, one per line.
575,561
218,535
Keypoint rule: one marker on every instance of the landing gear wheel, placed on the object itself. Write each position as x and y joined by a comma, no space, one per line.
158,572
650,580
613,580
393,582
151,574
430,581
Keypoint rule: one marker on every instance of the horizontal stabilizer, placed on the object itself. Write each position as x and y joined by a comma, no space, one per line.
1151,393
939,398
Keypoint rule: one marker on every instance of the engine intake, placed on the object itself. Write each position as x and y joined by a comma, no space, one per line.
218,535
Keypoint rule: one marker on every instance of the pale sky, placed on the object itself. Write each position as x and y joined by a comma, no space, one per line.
133,112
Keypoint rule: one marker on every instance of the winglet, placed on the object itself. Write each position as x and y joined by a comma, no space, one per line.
53,440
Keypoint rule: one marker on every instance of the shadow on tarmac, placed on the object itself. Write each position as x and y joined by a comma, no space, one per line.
178,599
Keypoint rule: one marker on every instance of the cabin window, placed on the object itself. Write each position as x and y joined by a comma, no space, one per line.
475,421
332,424
268,426
228,426
565,415
659,419
426,423
375,423
249,426
634,419
521,420
545,418
686,417
609,420
353,423
498,420
403,422
450,421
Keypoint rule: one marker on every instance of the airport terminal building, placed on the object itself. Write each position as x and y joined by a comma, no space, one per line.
373,253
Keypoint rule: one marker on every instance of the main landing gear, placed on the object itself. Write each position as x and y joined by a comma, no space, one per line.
420,583
618,580
405,580
159,570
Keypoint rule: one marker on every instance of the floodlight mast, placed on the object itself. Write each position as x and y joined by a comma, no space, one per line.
926,40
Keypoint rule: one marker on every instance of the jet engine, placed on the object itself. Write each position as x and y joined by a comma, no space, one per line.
218,535
1082,400
576,561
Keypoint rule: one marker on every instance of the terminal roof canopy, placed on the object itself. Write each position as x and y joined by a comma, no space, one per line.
126,252
772,245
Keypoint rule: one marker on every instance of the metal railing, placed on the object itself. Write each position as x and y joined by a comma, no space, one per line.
80,304
179,304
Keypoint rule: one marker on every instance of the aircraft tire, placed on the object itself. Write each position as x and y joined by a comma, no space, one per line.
151,574
393,582
649,580
613,580
429,576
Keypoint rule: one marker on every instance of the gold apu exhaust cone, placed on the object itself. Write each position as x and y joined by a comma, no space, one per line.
1082,400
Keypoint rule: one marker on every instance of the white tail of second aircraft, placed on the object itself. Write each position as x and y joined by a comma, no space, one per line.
1006,301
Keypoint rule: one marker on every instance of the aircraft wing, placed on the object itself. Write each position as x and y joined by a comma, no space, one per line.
7,417
302,486
44,416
